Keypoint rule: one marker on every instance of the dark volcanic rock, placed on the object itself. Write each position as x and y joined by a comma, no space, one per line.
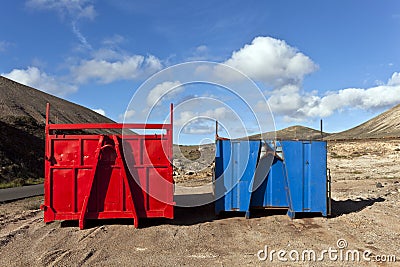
22,121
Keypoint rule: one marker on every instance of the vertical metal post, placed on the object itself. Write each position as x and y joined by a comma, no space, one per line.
322,133
171,136
329,191
49,214
47,117
216,130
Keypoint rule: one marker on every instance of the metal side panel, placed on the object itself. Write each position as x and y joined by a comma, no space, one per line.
72,163
317,177
222,157
271,193
235,165
98,176
305,162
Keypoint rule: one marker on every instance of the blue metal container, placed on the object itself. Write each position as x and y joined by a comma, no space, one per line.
258,174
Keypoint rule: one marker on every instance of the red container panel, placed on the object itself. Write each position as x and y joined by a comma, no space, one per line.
108,176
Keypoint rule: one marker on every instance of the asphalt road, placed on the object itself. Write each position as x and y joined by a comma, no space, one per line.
14,193
184,196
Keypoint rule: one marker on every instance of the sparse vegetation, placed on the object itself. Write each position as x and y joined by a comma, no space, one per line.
34,204
190,152
356,154
21,182
337,156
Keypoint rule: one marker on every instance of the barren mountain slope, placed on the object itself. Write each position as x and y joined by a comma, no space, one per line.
296,132
385,125
17,101
22,118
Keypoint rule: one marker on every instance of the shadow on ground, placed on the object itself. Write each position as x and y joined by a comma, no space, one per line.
206,213
342,207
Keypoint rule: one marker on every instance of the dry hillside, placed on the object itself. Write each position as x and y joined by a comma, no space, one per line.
296,132
385,125
22,118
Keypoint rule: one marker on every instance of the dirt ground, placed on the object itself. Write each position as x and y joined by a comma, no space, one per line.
366,204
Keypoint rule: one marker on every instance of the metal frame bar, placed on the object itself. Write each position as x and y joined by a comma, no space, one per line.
92,176
81,126
126,182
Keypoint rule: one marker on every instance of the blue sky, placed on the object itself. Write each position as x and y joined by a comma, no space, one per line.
335,60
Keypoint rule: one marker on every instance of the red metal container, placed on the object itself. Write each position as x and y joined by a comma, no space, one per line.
100,176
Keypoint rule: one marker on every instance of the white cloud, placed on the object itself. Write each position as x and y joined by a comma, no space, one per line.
272,61
107,71
199,126
201,49
295,105
282,67
80,36
283,100
165,90
366,99
219,114
38,79
129,114
395,79
100,111
203,122
109,54
73,10
114,40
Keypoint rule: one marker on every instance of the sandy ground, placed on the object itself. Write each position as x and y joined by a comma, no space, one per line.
366,195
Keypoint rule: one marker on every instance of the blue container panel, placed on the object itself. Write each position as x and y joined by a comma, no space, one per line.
306,169
235,165
272,193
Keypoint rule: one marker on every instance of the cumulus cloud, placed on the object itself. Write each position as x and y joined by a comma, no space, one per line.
367,99
163,91
272,61
219,114
72,10
284,99
34,77
100,111
107,71
203,122
283,68
199,53
199,126
395,79
295,105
